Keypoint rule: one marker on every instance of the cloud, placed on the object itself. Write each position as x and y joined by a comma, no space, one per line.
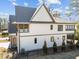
40,1
2,13
50,1
67,8
54,1
59,10
67,11
25,4
12,0
14,3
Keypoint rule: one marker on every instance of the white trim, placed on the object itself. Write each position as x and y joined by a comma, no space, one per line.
20,22
43,34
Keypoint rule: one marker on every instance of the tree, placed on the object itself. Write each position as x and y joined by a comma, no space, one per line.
74,6
22,51
0,24
45,48
54,47
77,35
63,47
72,10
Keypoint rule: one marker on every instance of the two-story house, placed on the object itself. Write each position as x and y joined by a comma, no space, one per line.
34,26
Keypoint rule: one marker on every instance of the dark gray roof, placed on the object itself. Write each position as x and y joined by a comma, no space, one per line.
11,27
24,14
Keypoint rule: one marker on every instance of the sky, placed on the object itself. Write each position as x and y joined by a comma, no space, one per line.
8,6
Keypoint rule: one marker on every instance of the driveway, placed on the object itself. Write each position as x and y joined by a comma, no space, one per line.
67,55
64,55
5,44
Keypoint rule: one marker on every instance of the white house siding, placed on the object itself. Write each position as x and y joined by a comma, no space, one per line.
42,15
42,32
28,42
45,29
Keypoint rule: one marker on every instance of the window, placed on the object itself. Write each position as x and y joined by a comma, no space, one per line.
35,40
51,27
60,27
52,38
70,27
70,36
23,27
63,37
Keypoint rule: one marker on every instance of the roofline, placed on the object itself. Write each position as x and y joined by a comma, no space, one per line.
49,13
39,22
46,10
65,22
12,34
25,7
43,34
36,12
20,22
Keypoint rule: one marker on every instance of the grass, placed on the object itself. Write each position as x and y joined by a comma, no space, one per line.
1,55
4,41
0,35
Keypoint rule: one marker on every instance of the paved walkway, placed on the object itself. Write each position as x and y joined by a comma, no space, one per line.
63,55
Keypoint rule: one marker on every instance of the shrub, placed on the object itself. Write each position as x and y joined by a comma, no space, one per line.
5,34
71,45
45,48
22,51
77,44
63,47
54,47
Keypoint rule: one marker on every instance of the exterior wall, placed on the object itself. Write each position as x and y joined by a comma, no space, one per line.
42,32
45,29
42,15
36,29
28,42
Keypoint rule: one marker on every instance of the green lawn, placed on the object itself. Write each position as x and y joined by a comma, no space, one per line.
4,41
1,56
0,35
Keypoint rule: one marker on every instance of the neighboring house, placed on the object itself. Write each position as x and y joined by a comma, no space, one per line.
34,26
12,30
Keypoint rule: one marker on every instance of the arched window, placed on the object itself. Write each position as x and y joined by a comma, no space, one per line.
52,39
35,40
63,38
51,27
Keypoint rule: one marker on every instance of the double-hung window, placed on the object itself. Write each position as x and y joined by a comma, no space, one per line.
70,27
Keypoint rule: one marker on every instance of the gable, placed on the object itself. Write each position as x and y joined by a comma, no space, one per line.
42,15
